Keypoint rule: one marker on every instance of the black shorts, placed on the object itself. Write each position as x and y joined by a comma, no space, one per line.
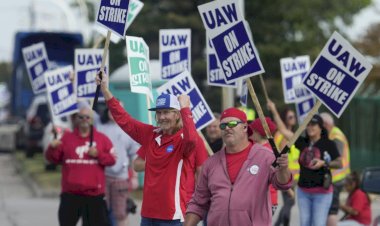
334,208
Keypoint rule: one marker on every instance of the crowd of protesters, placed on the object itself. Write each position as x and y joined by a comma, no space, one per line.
238,185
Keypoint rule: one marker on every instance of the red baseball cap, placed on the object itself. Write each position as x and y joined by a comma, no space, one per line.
258,127
236,113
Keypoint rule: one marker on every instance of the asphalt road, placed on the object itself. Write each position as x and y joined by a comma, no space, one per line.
20,207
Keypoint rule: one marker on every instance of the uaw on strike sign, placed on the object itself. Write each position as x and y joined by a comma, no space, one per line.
87,64
234,47
60,92
337,74
134,8
112,14
293,70
215,75
37,63
304,107
184,84
175,52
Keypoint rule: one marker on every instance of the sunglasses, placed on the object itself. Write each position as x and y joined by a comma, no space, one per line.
84,117
230,124
290,117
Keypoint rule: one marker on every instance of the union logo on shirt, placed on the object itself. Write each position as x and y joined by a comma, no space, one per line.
254,169
170,148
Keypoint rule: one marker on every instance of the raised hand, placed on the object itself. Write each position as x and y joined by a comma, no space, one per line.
184,100
102,79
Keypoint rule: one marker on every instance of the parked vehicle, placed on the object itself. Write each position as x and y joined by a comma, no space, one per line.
37,117
8,133
371,184
60,47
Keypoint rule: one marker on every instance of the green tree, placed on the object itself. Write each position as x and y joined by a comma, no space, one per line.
369,44
6,72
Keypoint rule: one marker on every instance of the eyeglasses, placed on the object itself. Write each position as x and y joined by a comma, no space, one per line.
230,124
84,117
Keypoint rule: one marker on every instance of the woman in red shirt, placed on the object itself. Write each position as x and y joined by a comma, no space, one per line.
358,205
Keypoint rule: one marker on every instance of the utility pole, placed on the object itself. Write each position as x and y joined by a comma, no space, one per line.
32,16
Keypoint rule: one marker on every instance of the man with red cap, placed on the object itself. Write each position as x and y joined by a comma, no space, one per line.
233,184
259,136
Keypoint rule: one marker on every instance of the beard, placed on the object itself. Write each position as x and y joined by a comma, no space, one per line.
165,124
84,125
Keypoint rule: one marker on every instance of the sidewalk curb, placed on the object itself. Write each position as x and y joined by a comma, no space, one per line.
33,186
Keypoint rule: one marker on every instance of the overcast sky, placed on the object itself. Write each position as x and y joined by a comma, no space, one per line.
15,16
364,18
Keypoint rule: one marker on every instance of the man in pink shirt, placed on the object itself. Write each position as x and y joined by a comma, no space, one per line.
233,185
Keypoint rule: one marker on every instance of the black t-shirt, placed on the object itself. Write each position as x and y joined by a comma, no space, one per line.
216,145
310,178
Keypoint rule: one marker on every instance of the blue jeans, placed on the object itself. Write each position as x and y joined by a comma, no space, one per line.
157,222
111,217
313,207
205,219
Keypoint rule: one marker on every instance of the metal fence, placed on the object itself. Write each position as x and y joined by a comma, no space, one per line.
361,124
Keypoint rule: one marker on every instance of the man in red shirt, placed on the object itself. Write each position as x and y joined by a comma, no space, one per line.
191,168
164,152
233,184
83,177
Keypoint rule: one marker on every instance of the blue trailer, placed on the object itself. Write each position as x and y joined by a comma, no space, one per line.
60,48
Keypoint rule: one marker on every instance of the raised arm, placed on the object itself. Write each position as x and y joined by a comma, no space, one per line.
103,81
134,128
288,134
190,135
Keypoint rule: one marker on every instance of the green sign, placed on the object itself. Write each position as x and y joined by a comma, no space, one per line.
135,7
139,70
